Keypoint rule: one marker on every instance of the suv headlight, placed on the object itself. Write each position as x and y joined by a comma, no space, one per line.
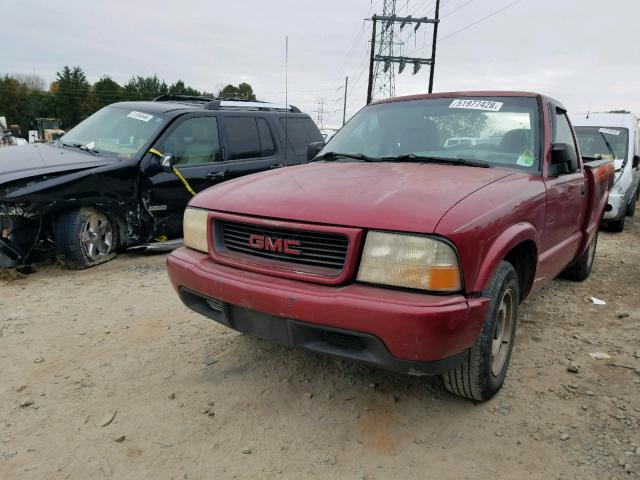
410,261
195,229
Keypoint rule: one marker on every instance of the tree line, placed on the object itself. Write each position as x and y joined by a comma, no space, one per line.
72,98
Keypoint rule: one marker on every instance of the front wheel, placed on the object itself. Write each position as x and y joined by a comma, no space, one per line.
85,237
483,371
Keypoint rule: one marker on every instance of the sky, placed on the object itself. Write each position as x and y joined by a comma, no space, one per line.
584,53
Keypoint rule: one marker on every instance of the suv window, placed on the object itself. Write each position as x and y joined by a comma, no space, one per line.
562,129
242,137
300,133
194,142
266,139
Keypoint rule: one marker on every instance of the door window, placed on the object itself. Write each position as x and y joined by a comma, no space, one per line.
300,133
266,139
193,142
242,137
562,129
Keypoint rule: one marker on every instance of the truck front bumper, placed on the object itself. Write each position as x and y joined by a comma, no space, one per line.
411,332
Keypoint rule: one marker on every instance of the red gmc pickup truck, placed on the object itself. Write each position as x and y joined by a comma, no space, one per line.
408,241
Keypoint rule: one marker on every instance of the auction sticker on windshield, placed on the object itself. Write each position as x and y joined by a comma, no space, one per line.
145,117
487,105
609,131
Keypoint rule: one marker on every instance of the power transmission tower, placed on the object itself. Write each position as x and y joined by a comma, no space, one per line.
320,112
384,78
381,72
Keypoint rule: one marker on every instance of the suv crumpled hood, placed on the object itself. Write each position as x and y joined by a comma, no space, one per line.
406,197
43,159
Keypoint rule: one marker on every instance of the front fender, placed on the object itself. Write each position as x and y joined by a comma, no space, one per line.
502,245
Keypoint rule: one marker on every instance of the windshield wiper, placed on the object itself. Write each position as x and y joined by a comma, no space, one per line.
609,147
425,158
82,147
332,156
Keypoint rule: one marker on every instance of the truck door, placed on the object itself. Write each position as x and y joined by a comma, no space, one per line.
566,203
193,141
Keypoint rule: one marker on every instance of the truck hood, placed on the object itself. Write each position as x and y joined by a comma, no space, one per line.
391,196
43,159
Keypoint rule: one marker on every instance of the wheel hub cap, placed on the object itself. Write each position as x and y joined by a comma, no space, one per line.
502,333
96,236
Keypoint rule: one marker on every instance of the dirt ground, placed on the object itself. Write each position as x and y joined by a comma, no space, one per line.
104,374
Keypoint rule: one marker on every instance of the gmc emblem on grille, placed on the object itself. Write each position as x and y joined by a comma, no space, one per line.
262,242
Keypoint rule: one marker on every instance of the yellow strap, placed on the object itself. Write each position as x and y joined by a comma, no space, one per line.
175,172
184,181
156,152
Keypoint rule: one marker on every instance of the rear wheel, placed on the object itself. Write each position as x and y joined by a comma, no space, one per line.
631,208
85,237
484,369
580,269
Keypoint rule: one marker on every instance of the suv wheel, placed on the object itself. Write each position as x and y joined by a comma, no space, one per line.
85,237
482,373
616,225
631,208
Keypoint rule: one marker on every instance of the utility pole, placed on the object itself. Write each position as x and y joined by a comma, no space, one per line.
381,73
371,62
344,108
433,46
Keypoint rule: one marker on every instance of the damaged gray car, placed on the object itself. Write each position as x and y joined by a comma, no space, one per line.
123,176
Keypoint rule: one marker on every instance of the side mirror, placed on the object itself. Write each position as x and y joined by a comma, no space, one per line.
313,149
636,161
167,163
564,159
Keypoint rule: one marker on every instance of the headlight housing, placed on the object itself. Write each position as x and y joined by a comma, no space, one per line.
410,261
195,229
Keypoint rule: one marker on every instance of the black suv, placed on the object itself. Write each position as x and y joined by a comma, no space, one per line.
110,182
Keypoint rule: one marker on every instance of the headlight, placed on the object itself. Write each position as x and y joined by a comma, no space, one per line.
195,229
409,261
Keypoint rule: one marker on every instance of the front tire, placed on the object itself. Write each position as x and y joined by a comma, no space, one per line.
482,373
617,225
85,237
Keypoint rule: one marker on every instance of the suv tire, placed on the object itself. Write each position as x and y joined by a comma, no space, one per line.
631,207
85,237
616,225
482,373
581,267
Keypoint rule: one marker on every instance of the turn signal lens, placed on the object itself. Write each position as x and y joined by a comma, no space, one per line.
195,229
410,261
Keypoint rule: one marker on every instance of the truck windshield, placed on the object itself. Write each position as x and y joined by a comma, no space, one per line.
114,131
603,142
498,131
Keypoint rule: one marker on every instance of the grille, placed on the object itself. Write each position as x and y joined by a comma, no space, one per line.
344,340
214,304
317,249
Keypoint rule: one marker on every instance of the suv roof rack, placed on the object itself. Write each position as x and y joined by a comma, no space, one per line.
211,103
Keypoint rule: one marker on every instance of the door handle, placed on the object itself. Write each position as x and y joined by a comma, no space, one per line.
276,165
215,175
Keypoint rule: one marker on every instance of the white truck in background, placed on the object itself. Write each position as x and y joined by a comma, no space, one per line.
614,136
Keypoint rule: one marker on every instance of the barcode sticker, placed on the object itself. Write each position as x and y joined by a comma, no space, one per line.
487,105
609,131
145,117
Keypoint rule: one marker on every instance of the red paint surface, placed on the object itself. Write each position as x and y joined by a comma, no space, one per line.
412,326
